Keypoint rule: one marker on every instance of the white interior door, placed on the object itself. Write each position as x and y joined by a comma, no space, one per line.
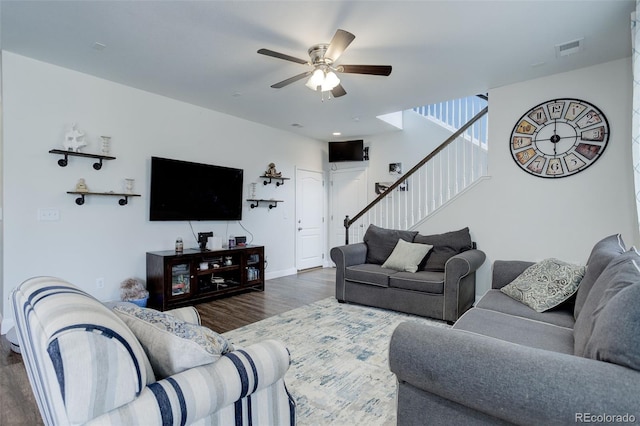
309,219
348,196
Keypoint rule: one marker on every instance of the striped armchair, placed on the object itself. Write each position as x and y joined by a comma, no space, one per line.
86,366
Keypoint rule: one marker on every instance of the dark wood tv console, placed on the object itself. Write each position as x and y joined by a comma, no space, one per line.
195,276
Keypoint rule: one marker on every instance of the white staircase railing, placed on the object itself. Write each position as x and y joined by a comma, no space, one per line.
451,168
454,113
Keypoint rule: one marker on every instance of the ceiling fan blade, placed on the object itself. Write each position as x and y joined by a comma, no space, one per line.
340,41
365,69
288,81
338,91
282,56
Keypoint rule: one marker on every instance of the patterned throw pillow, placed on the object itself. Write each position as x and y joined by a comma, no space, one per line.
545,284
172,345
406,256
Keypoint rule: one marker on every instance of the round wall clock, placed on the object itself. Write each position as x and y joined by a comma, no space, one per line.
559,138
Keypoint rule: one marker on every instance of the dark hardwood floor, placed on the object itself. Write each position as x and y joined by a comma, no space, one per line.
18,406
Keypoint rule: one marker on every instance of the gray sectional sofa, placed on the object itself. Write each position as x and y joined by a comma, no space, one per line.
503,362
440,284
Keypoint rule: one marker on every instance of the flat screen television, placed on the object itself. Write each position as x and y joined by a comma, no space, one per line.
346,151
182,190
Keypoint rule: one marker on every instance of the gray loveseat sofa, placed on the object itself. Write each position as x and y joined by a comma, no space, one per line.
442,287
505,363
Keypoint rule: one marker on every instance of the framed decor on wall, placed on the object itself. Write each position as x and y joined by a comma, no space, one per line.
395,168
559,138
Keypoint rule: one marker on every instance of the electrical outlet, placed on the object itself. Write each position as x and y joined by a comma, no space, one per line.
99,282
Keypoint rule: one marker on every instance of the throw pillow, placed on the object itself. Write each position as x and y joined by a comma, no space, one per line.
619,273
172,345
381,242
617,327
406,256
545,284
602,253
445,246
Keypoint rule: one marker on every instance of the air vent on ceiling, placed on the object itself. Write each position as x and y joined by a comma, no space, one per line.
570,47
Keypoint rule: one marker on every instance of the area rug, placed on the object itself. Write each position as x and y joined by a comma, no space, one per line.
339,372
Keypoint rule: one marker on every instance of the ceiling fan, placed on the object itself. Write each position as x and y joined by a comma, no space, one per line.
323,59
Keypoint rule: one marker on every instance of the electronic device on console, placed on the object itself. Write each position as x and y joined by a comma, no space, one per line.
203,238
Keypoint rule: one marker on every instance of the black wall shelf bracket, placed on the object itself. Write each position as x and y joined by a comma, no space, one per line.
272,203
279,180
64,161
123,201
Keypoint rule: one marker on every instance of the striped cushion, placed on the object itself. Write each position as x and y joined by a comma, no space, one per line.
243,387
82,361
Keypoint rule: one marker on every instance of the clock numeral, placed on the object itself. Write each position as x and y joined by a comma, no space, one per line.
574,110
555,110
588,151
525,127
596,134
526,155
589,118
555,167
538,115
521,142
573,163
537,165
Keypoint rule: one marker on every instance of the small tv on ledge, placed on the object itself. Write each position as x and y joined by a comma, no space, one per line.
182,190
346,151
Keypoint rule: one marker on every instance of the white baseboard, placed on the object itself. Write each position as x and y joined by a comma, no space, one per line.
277,274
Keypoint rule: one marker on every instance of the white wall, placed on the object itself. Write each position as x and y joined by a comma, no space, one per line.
514,215
102,238
407,146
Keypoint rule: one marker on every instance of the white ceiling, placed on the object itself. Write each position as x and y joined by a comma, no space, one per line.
204,52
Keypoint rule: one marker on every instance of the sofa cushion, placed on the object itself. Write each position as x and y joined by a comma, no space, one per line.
621,272
406,256
369,273
545,284
495,300
423,281
522,331
617,327
381,242
602,253
172,345
445,246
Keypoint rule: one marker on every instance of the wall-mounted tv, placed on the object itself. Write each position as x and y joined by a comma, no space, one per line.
346,151
182,190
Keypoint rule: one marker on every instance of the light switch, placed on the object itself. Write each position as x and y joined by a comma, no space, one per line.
48,215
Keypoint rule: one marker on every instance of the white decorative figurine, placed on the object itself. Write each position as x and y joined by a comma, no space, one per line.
81,186
74,139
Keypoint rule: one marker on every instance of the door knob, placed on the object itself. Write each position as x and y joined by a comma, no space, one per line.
299,229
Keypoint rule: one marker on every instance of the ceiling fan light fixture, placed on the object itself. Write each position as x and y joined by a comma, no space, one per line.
331,80
322,80
322,76
316,79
